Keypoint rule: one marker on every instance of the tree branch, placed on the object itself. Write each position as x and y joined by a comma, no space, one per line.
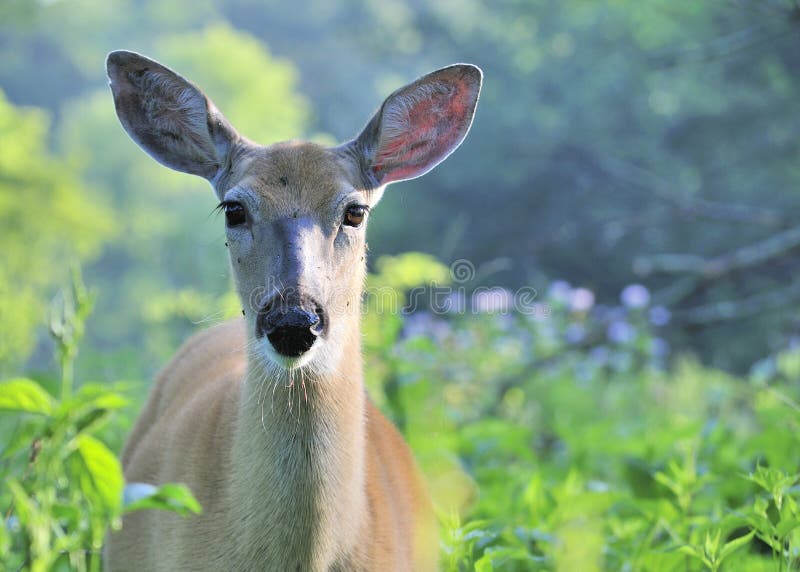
641,178
748,256
731,310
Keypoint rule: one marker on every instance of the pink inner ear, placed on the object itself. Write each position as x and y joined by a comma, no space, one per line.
430,122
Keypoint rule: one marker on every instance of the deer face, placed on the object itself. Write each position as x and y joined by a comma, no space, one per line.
295,213
296,223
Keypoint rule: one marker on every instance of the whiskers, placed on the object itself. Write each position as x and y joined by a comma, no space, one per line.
297,390
213,319
269,380
300,389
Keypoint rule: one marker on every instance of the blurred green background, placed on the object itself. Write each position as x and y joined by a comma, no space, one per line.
616,142
634,166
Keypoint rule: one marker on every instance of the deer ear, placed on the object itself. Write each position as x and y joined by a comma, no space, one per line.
167,116
418,126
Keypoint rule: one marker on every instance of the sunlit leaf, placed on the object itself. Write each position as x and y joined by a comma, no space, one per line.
23,505
732,546
172,497
25,395
784,527
102,479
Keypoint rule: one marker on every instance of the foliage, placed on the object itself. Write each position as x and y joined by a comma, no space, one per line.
546,450
616,141
45,219
63,485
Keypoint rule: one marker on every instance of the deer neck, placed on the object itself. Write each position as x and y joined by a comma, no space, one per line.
297,483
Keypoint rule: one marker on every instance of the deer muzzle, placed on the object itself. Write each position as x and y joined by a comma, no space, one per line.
291,326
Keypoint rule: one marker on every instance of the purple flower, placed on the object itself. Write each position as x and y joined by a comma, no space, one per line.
559,291
659,347
12,524
599,355
539,312
601,313
764,370
659,316
424,324
137,491
575,333
581,300
492,301
635,296
455,303
621,361
598,486
621,332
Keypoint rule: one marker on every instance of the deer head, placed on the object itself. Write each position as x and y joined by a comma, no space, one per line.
295,212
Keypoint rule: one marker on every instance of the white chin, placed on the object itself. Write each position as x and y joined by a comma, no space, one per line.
288,363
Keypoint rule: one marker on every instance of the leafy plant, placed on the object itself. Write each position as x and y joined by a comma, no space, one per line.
775,516
64,486
566,444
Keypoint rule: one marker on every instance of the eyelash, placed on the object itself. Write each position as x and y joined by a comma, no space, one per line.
220,208
224,206
227,208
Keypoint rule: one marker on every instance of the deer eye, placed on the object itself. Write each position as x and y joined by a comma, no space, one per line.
354,215
234,214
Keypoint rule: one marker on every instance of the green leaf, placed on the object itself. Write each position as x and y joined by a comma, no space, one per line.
696,552
21,437
23,506
484,564
66,512
173,497
663,479
784,527
5,541
770,540
735,544
102,479
102,395
25,395
760,506
761,523
711,545
91,419
92,396
498,557
693,551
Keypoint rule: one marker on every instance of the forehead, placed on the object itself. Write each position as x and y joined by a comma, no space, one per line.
293,175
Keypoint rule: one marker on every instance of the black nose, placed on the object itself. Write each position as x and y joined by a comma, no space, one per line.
291,330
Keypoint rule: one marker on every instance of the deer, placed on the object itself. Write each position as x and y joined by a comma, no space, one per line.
266,417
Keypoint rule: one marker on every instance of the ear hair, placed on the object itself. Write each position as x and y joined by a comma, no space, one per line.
417,126
169,117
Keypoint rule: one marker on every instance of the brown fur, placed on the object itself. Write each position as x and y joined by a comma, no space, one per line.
295,468
187,433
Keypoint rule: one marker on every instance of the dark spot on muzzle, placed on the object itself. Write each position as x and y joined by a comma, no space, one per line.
291,326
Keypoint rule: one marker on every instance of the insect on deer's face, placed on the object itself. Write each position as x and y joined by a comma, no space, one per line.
296,223
295,213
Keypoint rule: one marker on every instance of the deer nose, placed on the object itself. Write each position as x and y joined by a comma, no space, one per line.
291,330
